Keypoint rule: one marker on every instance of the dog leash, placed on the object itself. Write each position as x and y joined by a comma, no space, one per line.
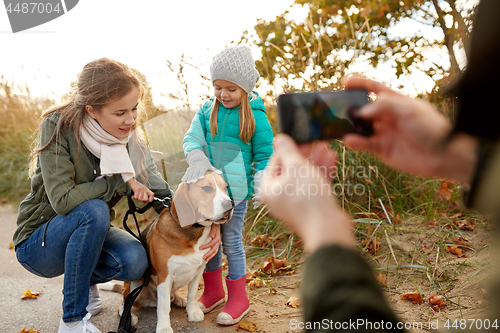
125,325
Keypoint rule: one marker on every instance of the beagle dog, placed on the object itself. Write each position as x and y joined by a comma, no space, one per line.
176,259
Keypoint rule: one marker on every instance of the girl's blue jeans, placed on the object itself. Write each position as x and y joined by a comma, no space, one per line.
82,246
232,244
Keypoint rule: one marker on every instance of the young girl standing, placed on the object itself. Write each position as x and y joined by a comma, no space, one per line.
81,169
230,134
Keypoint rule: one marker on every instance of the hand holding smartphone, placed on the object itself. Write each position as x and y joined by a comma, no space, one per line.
323,115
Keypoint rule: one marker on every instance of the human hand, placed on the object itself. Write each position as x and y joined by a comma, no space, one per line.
198,164
141,192
410,135
213,244
298,192
408,132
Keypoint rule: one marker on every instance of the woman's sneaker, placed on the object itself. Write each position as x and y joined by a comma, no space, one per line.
84,326
95,302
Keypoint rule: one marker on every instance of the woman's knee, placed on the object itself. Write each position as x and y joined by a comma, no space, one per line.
134,263
96,213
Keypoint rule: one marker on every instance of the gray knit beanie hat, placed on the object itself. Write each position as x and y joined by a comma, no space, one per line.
236,65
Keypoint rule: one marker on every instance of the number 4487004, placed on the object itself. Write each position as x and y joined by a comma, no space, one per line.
33,7
468,324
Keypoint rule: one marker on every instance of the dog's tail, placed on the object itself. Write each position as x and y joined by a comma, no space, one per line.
114,286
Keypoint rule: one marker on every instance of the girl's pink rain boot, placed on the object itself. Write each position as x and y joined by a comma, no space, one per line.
213,294
237,304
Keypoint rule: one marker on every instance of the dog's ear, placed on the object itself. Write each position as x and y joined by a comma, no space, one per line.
182,209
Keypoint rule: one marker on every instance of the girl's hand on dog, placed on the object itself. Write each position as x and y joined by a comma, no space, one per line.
213,244
141,192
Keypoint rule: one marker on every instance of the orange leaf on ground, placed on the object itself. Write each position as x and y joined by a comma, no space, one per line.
373,245
414,297
274,266
254,284
455,250
261,241
444,192
11,246
438,306
247,325
294,302
436,299
29,331
28,294
250,275
381,279
466,225
461,241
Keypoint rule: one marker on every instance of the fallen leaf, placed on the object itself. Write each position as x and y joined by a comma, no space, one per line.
381,279
247,325
254,284
250,275
28,294
261,241
461,241
11,246
29,331
416,298
438,307
274,266
455,250
373,245
466,225
294,302
456,216
397,219
444,193
436,299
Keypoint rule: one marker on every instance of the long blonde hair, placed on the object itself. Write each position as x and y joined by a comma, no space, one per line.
101,82
247,120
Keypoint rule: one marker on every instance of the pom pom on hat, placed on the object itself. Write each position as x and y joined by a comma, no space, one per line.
236,65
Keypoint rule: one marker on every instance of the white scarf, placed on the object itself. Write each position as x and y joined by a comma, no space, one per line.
109,149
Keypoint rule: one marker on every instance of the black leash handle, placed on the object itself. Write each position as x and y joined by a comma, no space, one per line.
125,325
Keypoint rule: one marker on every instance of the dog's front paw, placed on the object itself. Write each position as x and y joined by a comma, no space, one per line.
133,320
164,330
194,313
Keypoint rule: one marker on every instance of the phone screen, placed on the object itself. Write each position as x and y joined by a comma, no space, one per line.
323,115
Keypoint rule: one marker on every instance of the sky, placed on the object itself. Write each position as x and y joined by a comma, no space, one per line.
145,35
141,34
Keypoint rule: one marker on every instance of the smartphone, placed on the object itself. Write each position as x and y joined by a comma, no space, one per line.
323,115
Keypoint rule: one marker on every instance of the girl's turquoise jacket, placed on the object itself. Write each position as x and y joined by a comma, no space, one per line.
237,160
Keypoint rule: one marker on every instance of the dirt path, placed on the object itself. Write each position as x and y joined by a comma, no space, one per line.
268,311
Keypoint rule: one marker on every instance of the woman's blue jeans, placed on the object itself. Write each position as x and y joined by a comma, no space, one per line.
82,246
232,244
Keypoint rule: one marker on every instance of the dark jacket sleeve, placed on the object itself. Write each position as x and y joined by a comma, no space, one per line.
340,292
